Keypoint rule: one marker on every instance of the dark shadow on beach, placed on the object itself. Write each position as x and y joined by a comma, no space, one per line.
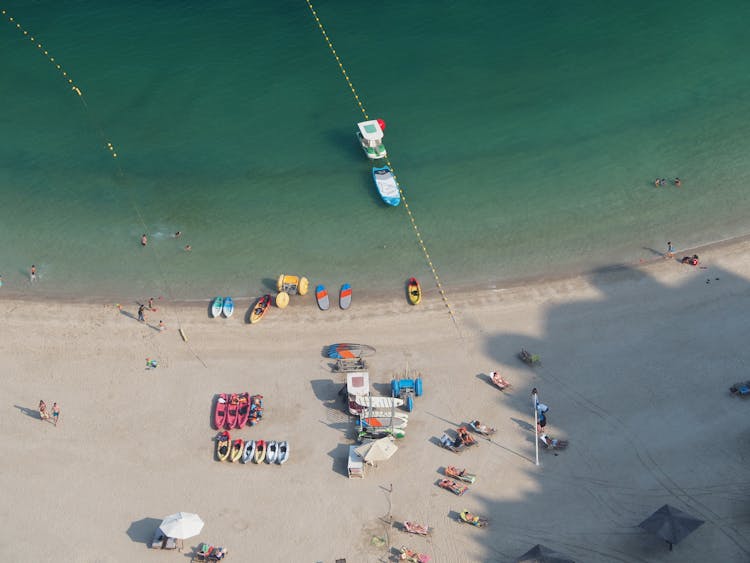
340,459
586,390
143,530
128,314
33,413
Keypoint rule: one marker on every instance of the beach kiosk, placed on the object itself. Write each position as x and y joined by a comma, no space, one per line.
370,136
355,466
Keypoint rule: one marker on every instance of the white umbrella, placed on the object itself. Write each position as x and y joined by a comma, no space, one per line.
377,450
182,525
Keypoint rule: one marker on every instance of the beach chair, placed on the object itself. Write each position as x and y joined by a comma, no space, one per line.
201,554
449,443
170,543
159,540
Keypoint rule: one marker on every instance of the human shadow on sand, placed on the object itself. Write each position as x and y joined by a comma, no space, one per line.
33,413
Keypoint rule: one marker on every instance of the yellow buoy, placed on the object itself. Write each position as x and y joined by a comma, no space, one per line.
302,287
282,300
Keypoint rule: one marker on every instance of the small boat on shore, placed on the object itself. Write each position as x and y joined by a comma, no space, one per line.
260,308
414,291
370,137
217,307
283,456
386,184
249,452
228,307
220,411
223,446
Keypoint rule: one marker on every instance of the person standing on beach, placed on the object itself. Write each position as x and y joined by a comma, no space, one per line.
141,318
33,272
43,414
670,250
55,413
151,304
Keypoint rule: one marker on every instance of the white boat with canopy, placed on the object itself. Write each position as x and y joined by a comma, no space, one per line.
370,136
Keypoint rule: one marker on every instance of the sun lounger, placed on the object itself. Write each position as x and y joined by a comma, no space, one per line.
202,553
159,540
171,543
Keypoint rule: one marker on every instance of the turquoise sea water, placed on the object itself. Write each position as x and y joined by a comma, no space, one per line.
526,136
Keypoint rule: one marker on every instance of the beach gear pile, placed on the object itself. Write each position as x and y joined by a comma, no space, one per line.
235,411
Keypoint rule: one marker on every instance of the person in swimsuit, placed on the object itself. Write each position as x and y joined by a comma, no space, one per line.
144,239
33,272
55,413
43,414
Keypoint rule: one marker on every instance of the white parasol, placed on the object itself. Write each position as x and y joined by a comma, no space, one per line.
182,525
377,450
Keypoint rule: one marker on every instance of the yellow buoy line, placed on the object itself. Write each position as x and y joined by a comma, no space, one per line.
413,221
111,148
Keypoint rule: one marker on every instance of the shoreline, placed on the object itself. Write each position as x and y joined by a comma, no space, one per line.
631,357
372,296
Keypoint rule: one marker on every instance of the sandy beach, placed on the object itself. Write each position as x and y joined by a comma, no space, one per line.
636,365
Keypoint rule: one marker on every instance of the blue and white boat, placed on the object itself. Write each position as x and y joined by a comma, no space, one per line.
228,307
386,184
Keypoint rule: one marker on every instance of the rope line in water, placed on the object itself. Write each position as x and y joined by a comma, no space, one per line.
111,148
413,221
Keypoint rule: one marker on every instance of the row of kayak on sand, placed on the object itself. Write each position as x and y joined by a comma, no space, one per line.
235,410
225,305
250,450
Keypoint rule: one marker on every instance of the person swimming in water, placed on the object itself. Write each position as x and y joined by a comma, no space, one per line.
144,239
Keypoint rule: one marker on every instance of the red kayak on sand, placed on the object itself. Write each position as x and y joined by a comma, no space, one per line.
220,411
243,410
234,404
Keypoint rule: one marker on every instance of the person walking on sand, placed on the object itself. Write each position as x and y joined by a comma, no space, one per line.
670,250
144,239
33,273
55,413
140,313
